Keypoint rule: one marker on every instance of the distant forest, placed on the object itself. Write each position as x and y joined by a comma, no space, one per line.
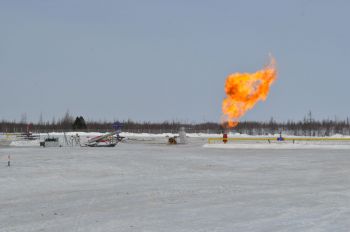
306,127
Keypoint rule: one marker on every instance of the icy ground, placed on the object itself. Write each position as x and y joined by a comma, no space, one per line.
157,187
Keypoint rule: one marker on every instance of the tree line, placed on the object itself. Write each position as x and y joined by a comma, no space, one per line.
306,127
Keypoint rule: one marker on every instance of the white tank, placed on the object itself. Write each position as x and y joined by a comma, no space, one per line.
182,136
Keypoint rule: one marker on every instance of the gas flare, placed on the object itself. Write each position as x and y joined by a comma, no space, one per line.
244,90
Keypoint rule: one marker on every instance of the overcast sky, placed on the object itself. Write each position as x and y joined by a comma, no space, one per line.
168,60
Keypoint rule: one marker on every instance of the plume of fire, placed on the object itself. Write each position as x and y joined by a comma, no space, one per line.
244,90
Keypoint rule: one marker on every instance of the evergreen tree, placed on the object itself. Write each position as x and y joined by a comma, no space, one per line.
79,123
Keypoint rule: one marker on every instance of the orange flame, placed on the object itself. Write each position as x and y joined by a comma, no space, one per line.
244,90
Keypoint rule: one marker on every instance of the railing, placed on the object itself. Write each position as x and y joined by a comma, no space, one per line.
220,139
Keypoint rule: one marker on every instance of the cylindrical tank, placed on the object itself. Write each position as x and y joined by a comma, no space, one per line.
182,135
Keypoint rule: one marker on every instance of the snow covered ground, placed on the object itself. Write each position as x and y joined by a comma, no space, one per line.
140,186
66,139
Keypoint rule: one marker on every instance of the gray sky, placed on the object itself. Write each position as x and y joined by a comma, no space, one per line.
168,60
